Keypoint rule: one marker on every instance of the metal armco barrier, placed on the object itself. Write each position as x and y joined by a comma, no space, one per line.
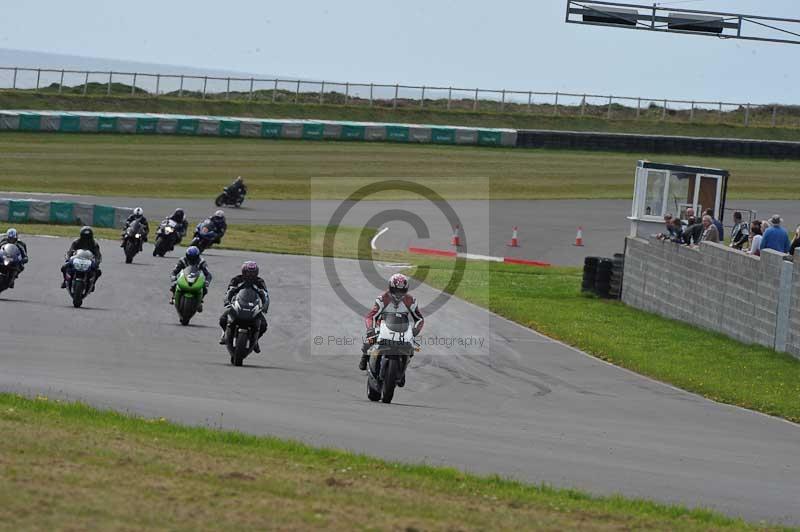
61,212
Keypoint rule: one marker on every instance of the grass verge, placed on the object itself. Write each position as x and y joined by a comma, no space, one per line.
715,366
181,167
706,124
63,465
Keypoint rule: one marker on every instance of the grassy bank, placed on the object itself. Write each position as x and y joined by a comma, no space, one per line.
63,465
706,124
183,167
715,366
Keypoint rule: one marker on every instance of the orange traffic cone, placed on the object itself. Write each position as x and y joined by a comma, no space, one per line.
514,238
579,237
456,240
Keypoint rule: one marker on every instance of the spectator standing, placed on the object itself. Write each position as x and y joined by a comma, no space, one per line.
717,224
776,237
677,231
710,233
755,238
693,232
740,232
666,235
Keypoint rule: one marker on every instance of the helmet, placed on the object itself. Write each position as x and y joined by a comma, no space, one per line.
193,255
178,214
11,235
398,286
219,214
138,211
250,270
239,179
86,232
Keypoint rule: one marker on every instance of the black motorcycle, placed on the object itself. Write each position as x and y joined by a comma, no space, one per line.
132,240
243,324
81,271
389,356
167,237
10,264
230,198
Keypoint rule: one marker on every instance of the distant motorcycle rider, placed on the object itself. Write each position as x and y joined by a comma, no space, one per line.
138,214
219,225
248,278
84,241
192,258
12,237
179,217
395,299
237,189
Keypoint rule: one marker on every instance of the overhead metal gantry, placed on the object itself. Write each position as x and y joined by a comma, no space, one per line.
688,21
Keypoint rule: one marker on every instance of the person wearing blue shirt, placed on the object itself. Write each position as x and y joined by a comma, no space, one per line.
776,238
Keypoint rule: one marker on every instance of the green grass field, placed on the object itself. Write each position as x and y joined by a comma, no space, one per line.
706,124
63,467
198,167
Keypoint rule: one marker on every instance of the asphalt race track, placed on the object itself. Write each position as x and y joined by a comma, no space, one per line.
520,405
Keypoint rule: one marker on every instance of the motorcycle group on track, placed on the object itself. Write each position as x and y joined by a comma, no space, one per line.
393,323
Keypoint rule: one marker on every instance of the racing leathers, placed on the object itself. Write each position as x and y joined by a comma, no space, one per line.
386,302
220,226
183,225
238,283
89,244
237,189
130,220
23,249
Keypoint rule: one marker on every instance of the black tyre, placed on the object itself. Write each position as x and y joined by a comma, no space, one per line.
77,293
187,307
240,349
130,251
373,395
219,201
161,246
390,373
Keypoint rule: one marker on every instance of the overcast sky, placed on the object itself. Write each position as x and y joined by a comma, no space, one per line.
516,44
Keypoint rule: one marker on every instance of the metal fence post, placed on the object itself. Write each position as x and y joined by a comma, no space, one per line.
475,102
110,77
555,106
610,99
158,84
38,75
86,84
250,94
61,83
274,91
638,107
371,86
583,106
530,99
14,82
396,92
719,113
133,85
449,97
664,110
228,89
774,115
321,92
180,89
346,92
503,100
747,115
691,113
205,85
297,92
422,99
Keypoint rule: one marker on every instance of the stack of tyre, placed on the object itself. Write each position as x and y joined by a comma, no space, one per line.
603,276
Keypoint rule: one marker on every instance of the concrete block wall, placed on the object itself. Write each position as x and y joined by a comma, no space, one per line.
716,288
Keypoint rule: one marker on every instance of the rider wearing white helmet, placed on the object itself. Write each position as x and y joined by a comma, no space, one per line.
395,299
137,214
12,237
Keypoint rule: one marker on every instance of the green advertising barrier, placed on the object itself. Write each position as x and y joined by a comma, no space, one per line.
229,128
62,212
146,125
186,126
490,138
313,131
70,124
271,130
443,136
18,211
351,132
103,216
30,122
397,133
107,124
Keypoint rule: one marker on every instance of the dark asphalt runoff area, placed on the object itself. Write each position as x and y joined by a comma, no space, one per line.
484,395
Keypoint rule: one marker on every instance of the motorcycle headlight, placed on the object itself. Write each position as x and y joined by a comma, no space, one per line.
168,230
6,262
138,235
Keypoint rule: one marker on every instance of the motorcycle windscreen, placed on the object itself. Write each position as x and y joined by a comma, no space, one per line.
191,274
10,251
396,327
247,304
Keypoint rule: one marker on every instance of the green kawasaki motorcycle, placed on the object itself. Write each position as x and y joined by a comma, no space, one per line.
189,293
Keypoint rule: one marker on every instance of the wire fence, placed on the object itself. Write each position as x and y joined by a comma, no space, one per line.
397,96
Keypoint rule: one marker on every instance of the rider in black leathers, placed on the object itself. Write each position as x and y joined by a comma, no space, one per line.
192,258
183,224
84,241
237,188
12,237
138,214
249,277
219,225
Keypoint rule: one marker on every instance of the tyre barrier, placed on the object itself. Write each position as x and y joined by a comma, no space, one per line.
603,276
224,126
14,210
